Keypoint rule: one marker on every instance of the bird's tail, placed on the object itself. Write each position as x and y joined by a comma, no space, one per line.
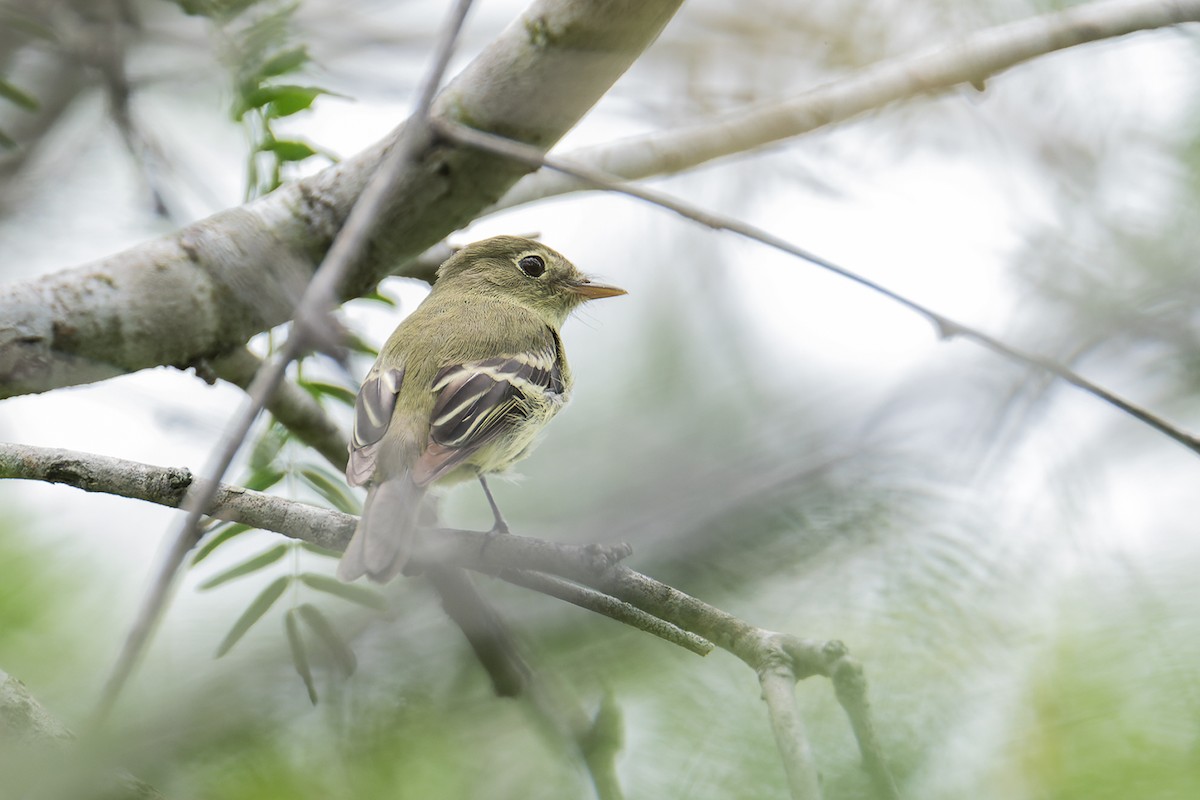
383,540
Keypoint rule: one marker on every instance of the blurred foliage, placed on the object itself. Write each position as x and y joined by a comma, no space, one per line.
259,49
1114,704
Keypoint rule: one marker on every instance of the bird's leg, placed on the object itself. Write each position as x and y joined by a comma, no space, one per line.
499,525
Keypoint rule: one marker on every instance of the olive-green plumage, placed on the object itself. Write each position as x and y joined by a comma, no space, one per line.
461,388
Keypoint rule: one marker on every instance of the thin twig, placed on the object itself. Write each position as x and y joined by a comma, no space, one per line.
850,686
489,637
601,744
778,683
969,60
331,530
326,528
596,566
946,327
319,297
607,606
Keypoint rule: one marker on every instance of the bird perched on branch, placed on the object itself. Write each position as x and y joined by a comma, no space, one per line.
461,389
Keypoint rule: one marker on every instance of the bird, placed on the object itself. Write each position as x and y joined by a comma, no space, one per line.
461,390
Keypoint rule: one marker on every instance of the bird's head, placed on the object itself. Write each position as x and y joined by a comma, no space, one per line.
525,272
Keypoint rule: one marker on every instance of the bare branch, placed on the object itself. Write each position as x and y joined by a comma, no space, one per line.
850,685
323,527
595,566
608,606
968,61
779,692
946,327
212,285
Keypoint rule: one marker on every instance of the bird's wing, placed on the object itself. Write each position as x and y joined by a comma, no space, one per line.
479,400
372,413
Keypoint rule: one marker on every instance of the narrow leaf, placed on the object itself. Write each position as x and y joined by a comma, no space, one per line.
262,479
358,345
18,97
268,444
332,489
217,537
285,62
336,391
379,297
283,100
347,591
323,628
299,656
321,551
254,613
286,150
7,142
246,567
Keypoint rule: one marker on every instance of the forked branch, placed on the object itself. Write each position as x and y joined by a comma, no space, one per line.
664,611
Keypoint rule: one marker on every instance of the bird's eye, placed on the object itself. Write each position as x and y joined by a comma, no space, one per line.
533,266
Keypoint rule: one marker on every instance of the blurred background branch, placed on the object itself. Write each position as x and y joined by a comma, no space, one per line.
946,327
31,734
971,60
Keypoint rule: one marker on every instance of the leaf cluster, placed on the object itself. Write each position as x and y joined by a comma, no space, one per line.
277,458
262,56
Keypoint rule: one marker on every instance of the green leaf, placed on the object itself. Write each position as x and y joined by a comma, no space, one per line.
347,591
261,560
293,102
299,656
323,628
220,10
379,297
268,444
18,97
263,479
217,537
288,150
251,175
284,62
321,551
357,345
338,392
261,605
331,488
279,101
7,142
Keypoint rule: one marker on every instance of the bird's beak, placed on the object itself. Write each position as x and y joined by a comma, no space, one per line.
591,290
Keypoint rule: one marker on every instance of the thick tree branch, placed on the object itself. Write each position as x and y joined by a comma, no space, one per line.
325,528
207,288
968,61
29,734
594,566
22,717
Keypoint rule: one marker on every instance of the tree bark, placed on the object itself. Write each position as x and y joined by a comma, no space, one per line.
207,288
